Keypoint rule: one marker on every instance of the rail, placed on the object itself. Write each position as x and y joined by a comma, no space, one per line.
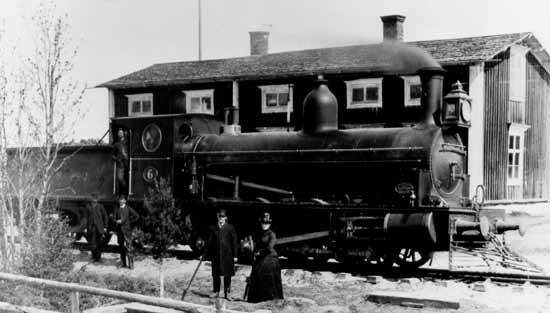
76,289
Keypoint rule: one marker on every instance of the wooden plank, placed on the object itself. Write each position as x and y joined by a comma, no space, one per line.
411,300
11,308
144,308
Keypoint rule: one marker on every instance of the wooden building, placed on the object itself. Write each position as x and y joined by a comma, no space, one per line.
506,75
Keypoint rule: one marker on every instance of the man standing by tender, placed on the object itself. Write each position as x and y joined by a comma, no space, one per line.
97,221
121,158
222,250
124,217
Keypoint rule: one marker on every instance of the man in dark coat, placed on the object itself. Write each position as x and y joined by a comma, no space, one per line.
96,227
222,249
124,217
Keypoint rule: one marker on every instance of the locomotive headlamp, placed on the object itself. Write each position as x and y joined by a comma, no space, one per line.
466,111
456,108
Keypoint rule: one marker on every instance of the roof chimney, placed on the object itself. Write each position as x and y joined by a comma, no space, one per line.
393,27
258,42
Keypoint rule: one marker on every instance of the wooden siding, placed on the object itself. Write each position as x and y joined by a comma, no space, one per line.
171,100
516,111
496,128
535,175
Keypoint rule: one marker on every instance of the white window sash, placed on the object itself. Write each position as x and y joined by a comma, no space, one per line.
200,94
517,131
278,90
408,82
364,84
141,97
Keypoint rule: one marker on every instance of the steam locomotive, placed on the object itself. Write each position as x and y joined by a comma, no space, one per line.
385,195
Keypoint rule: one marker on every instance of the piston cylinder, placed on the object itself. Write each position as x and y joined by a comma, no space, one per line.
415,229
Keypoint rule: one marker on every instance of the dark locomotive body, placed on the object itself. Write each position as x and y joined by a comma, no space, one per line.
359,194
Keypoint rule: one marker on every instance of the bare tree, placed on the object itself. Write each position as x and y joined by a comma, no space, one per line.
39,108
57,93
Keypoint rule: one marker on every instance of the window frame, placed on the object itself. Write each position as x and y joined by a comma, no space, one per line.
408,82
364,84
200,93
516,131
277,89
141,97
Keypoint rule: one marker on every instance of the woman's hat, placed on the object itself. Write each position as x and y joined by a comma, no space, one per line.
266,218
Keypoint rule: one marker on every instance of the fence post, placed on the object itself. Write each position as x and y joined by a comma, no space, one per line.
75,302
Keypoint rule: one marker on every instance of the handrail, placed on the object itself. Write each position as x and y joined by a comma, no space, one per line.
76,288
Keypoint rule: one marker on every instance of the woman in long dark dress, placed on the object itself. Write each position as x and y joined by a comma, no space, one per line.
265,278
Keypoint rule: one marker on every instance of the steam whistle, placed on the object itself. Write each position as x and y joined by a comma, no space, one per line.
412,198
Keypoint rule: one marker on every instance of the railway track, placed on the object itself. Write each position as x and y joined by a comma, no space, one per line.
463,274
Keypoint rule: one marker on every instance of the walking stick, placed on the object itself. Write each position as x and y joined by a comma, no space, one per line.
192,277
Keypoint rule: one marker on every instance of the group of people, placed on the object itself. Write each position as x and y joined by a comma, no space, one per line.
264,282
97,224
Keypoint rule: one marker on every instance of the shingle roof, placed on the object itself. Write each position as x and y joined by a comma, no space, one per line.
470,49
378,58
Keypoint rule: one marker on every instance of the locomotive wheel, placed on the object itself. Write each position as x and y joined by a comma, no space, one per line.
385,259
408,258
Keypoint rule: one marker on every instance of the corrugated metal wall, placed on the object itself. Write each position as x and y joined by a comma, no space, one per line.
496,130
535,176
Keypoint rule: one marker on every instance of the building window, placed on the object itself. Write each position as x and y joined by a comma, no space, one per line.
199,101
364,93
515,154
413,90
514,159
140,104
276,99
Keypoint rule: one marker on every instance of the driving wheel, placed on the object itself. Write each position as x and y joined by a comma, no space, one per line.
410,258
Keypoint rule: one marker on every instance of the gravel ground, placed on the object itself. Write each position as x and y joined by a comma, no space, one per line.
339,292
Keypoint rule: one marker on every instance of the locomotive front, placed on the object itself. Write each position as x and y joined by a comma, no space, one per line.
359,194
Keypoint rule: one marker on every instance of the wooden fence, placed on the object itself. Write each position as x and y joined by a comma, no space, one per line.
76,289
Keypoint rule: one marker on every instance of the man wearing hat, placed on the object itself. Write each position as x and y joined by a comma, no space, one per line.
124,217
222,250
96,227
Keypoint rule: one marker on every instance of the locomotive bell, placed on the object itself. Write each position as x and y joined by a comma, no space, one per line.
457,107
320,109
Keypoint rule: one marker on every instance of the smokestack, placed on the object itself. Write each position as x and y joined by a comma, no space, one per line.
393,27
259,42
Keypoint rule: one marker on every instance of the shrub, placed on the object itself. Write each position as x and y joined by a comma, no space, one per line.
45,252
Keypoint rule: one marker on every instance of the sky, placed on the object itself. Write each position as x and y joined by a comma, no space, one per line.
117,37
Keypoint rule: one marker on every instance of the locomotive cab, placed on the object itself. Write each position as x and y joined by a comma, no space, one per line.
152,142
